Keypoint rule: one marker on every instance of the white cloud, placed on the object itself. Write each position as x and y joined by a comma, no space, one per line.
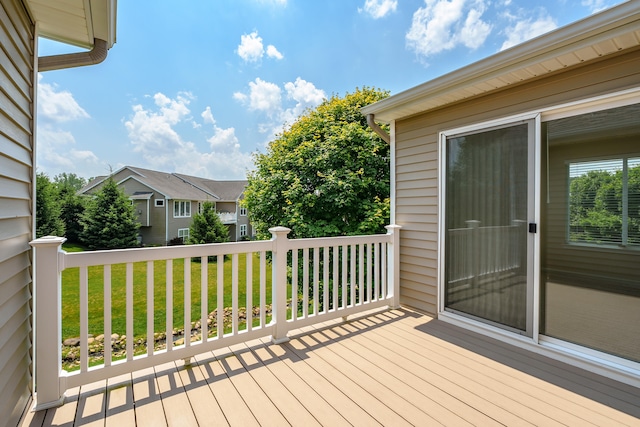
444,25
597,5
379,8
251,48
153,133
526,29
58,105
272,52
266,97
57,151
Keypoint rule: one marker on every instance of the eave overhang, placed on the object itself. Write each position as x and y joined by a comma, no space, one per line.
75,22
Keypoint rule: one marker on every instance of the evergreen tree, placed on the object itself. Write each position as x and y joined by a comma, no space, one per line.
109,221
48,222
72,208
206,227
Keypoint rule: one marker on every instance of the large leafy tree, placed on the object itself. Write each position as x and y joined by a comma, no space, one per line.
69,180
207,227
48,222
71,204
327,175
109,221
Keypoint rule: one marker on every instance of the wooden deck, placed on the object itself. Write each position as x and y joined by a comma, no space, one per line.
393,368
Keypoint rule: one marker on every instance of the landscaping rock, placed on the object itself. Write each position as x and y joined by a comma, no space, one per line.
72,342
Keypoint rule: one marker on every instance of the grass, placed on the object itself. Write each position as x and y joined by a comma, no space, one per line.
71,294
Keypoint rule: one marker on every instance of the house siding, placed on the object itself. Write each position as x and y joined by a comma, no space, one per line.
417,157
16,202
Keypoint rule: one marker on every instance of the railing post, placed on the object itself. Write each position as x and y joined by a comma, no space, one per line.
48,327
393,269
279,283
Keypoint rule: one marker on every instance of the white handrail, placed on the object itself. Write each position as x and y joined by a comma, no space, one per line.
330,278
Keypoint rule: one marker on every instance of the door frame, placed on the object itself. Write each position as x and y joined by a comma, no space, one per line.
533,241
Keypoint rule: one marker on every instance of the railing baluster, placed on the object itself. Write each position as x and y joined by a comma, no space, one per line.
369,272
106,343
376,271
204,298
294,284
361,284
249,292
187,302
316,279
336,269
353,276
383,270
325,279
84,319
220,297
305,282
150,310
169,305
344,286
234,294
263,289
129,308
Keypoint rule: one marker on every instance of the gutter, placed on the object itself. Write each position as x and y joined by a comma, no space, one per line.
71,60
377,129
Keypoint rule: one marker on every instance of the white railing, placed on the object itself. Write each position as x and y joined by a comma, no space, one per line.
312,280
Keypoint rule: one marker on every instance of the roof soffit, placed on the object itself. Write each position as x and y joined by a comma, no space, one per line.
75,22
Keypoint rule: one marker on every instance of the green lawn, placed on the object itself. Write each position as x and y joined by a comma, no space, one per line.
71,295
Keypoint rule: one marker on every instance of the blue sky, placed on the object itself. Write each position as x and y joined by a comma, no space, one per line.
197,88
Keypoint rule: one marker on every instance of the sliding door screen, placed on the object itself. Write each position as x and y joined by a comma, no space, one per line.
486,225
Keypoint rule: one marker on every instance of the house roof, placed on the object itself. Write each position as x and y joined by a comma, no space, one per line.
75,22
597,36
178,186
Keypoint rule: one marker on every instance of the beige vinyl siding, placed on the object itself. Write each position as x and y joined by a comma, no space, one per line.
417,151
16,175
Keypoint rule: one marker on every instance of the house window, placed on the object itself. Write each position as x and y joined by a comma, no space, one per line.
159,203
183,233
604,202
243,211
181,208
243,230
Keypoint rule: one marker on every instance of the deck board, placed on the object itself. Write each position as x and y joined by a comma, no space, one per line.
149,410
397,367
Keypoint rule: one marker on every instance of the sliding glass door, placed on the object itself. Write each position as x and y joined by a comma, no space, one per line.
487,223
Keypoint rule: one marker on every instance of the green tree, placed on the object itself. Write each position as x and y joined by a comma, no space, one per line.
69,180
207,227
109,221
72,208
48,222
328,175
71,204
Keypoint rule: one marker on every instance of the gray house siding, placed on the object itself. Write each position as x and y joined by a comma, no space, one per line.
417,150
16,205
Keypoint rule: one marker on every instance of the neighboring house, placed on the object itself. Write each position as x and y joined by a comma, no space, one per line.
483,159
166,202
77,22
